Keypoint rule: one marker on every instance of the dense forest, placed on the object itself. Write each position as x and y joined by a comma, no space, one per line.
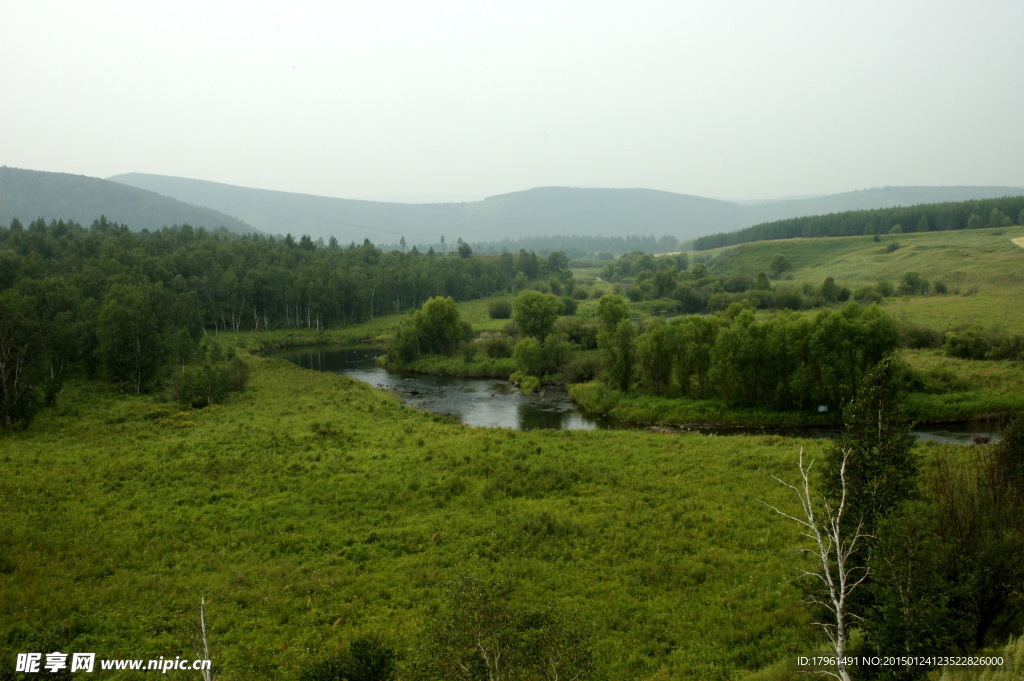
125,304
932,217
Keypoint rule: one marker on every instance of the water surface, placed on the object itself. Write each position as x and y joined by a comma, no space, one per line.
493,403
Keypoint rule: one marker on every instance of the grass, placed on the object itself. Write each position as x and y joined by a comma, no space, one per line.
985,267
313,509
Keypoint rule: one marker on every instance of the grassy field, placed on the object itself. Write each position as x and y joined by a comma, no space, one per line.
982,269
313,509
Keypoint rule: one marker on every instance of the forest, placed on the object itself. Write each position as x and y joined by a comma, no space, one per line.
930,217
125,304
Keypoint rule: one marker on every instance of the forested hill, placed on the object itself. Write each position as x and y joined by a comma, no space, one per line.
30,194
1000,212
535,212
540,212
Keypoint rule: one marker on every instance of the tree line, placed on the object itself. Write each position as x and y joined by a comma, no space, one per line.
126,304
975,214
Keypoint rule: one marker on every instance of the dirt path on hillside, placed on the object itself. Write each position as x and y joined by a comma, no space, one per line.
1019,241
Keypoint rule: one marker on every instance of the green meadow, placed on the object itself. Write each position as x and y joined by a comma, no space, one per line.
313,509
983,271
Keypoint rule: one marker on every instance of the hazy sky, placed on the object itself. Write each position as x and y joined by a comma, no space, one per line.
457,99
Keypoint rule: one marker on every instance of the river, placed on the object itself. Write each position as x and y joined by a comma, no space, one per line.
493,403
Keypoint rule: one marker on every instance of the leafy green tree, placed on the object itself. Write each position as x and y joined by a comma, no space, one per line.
692,339
779,264
439,326
611,310
881,468
910,613
654,356
830,290
618,352
528,357
535,313
913,284
130,338
21,360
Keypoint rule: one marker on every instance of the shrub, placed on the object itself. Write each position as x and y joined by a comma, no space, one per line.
201,386
918,336
595,396
583,366
497,347
500,309
367,659
968,343
528,356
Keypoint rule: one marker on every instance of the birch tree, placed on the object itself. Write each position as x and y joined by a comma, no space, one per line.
835,576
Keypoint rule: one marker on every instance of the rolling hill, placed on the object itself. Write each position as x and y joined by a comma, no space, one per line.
542,211
31,194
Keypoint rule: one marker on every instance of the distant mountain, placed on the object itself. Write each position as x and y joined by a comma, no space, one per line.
31,194
543,211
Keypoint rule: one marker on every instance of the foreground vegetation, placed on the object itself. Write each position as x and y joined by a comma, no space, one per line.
312,510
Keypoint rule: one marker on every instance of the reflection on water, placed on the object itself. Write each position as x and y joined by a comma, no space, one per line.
476,402
498,404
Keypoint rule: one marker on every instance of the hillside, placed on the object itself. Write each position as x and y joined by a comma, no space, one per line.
982,270
31,194
541,211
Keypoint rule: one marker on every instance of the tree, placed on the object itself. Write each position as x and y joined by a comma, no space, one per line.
21,360
872,464
617,349
830,290
611,310
779,264
439,326
129,335
835,574
654,356
535,312
910,612
528,357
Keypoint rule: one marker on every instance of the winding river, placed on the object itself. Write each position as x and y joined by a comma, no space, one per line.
493,403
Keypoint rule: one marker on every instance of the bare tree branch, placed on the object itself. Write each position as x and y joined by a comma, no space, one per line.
833,551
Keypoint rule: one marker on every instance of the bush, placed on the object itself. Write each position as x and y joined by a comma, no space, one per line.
917,336
367,659
497,347
500,309
529,384
201,386
595,396
583,366
528,356
968,343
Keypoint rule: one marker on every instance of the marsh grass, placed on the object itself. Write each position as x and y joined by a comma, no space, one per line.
313,509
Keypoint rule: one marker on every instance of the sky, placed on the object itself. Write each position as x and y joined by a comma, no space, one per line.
448,100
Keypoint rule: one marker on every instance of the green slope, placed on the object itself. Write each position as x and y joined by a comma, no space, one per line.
982,269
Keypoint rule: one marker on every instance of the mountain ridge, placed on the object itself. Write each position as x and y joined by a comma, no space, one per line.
31,194
147,201
538,211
